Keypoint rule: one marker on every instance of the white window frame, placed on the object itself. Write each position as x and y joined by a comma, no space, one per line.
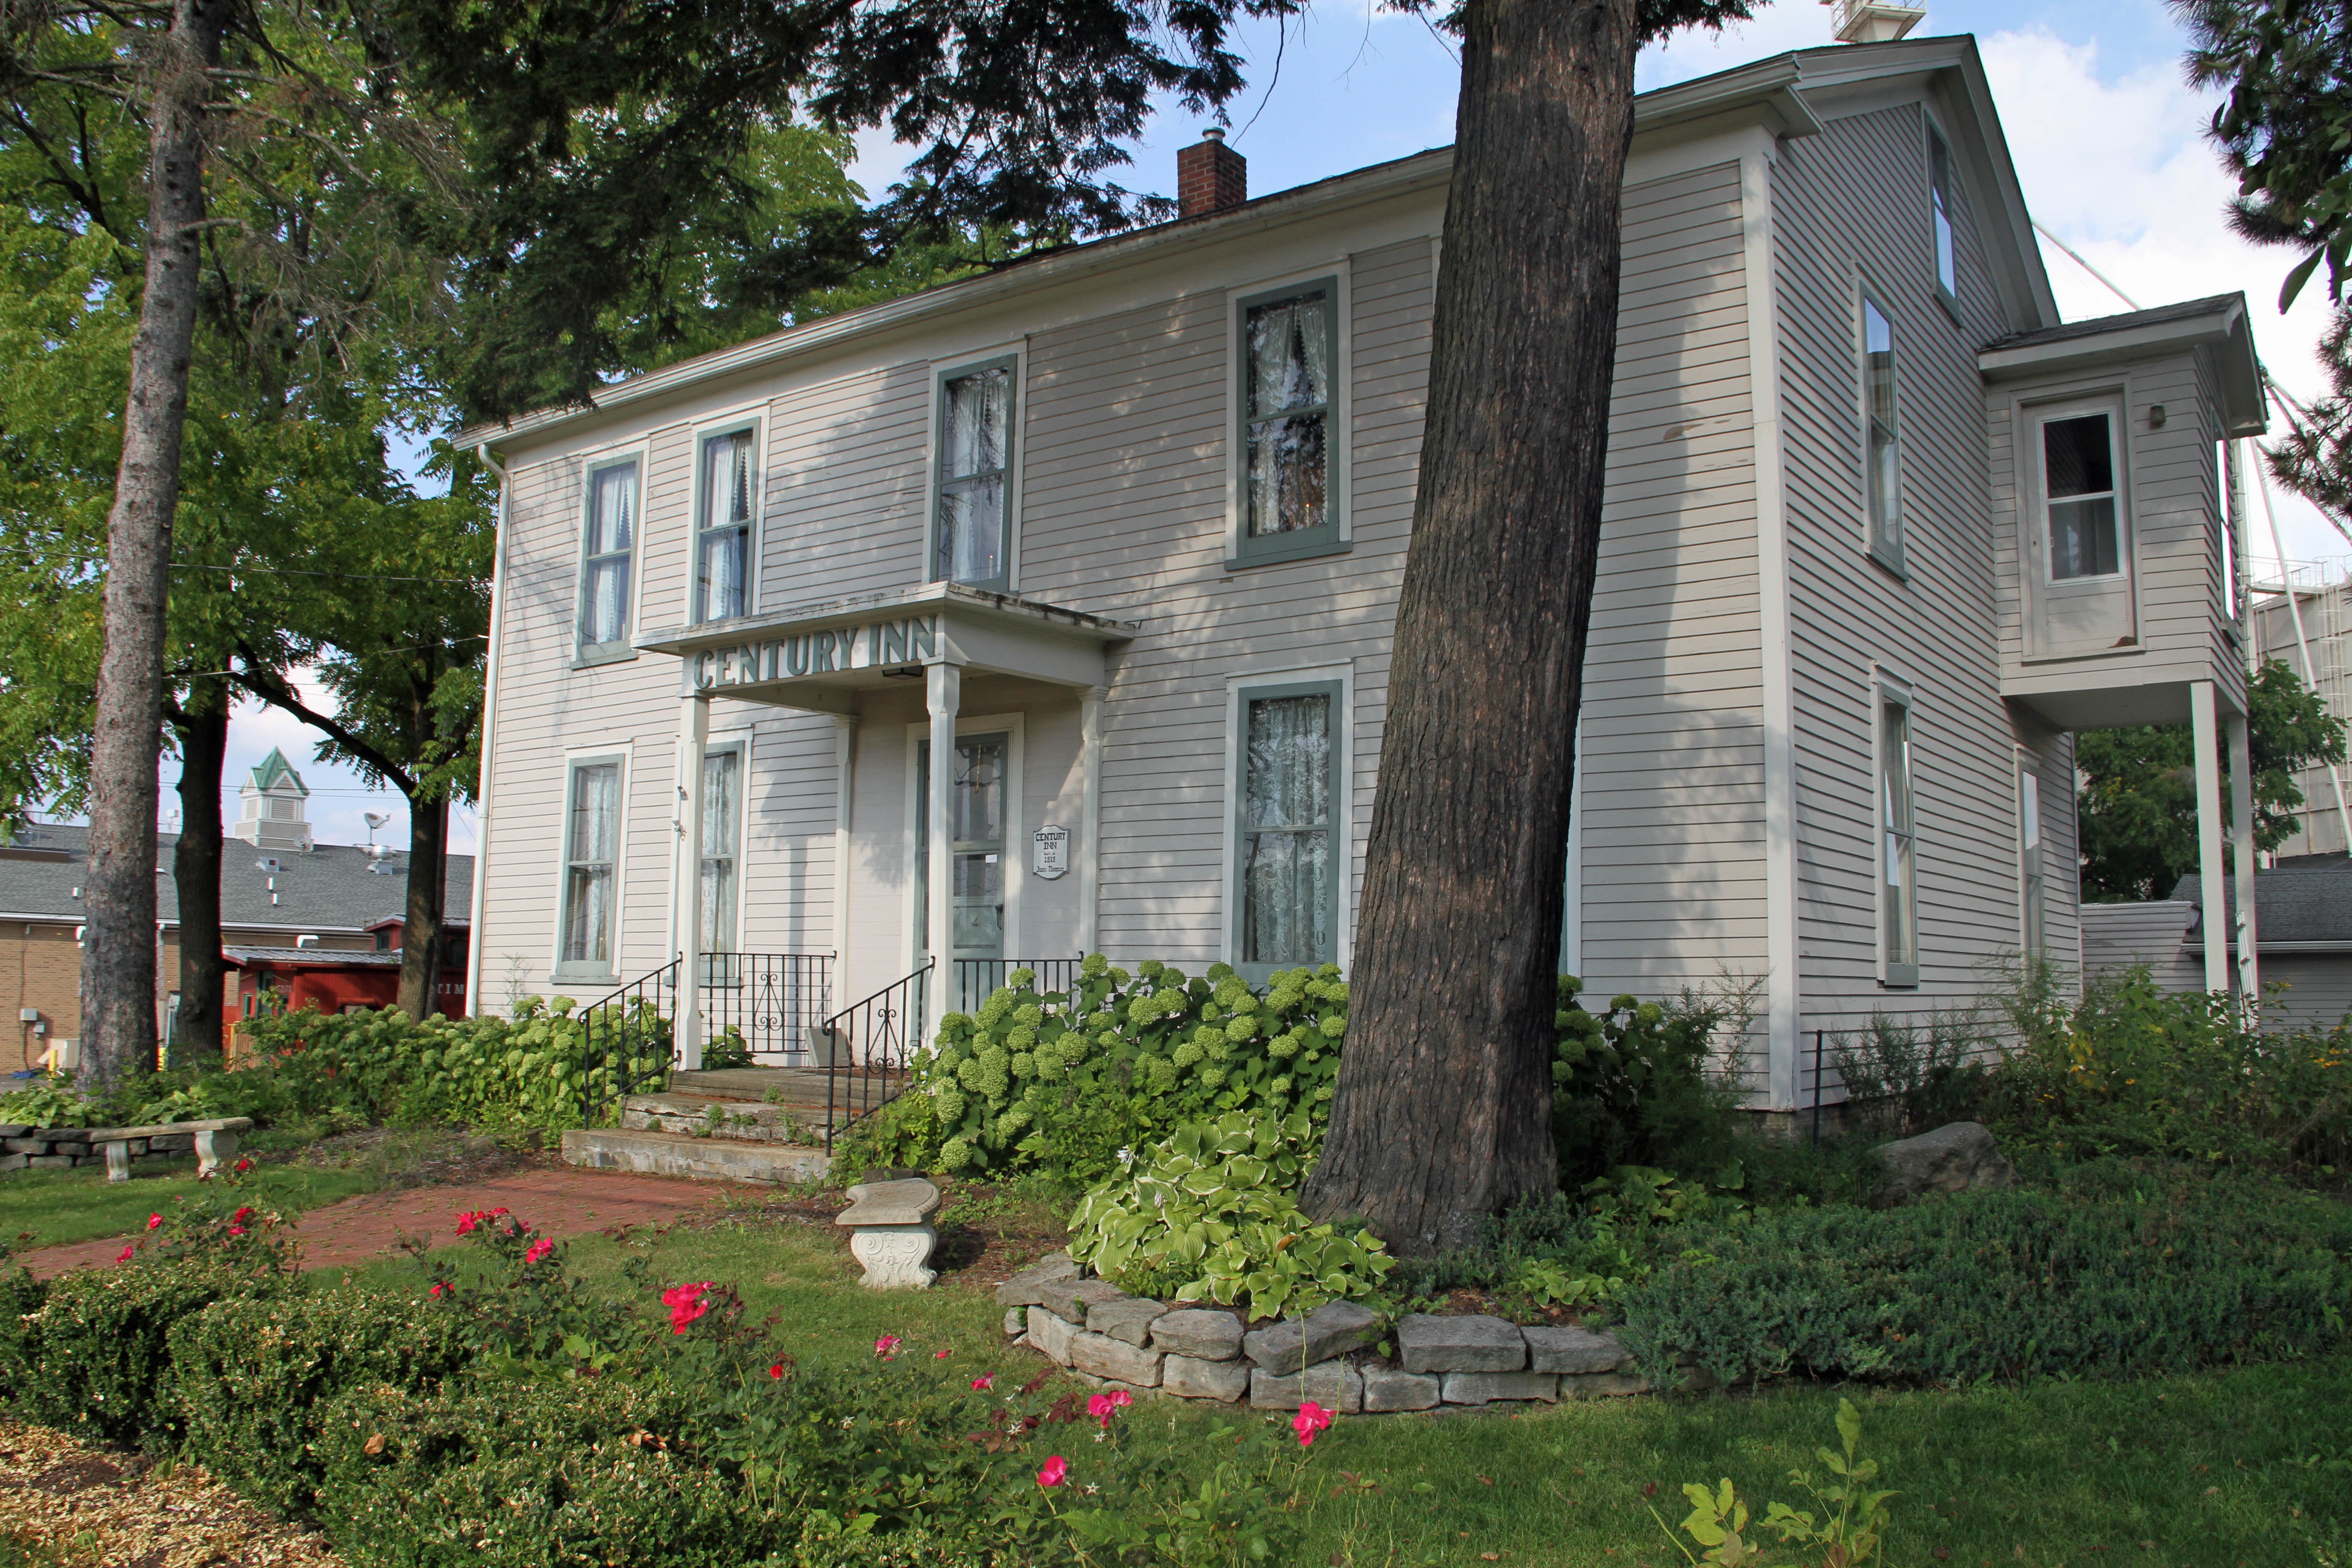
585,654
935,456
2036,418
1892,553
752,419
1887,690
1016,861
1343,925
560,971
2033,859
1342,443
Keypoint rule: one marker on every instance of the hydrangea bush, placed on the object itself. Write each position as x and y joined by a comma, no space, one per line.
1211,1213
1067,1081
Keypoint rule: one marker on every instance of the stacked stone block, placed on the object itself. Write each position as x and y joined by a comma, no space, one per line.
61,1148
1109,1337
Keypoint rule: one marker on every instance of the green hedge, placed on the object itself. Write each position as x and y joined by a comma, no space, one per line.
2115,1271
256,1380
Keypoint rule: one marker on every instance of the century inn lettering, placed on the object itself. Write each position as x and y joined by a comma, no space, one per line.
876,646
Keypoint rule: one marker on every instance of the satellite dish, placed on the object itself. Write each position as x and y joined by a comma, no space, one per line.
376,818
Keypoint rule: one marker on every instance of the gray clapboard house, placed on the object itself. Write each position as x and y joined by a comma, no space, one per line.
1049,612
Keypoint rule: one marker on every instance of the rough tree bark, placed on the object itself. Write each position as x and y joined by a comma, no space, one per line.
1444,1108
119,959
202,724
420,936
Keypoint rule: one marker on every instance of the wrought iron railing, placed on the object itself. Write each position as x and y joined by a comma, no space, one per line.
770,1005
867,1049
974,980
626,1043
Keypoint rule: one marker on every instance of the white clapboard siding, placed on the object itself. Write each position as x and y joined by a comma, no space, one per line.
1851,206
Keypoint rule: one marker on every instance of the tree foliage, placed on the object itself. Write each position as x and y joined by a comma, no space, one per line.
2138,801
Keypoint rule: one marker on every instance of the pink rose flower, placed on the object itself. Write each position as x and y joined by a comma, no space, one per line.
1311,1419
125,1257
985,1382
155,1220
776,1370
536,1251
241,1215
437,1288
1056,1472
1102,1406
887,1345
467,1221
685,1303
942,1355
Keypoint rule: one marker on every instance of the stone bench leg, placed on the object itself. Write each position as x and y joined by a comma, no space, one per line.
212,1148
118,1160
894,1256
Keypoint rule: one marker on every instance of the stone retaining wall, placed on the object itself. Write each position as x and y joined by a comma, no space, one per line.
60,1148
1109,1337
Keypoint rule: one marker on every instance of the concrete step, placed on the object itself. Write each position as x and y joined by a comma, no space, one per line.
710,1116
804,1085
703,1158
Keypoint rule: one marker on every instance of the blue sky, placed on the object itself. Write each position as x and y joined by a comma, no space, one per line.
2107,139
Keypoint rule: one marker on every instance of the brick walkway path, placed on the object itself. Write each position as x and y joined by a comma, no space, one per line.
561,1201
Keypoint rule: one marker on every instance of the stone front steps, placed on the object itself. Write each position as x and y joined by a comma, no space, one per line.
712,1159
742,1120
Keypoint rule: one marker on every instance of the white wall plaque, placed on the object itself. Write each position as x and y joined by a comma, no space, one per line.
1050,852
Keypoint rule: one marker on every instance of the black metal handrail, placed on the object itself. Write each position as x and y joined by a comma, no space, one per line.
771,1003
626,1041
867,1048
974,980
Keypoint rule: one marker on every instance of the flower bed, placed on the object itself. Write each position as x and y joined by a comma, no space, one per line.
1322,1359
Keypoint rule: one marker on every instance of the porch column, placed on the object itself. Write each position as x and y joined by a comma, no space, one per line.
844,753
2204,722
1089,815
686,905
944,689
2242,843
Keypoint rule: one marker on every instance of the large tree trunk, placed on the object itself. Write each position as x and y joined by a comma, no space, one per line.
420,937
1444,1109
196,872
117,961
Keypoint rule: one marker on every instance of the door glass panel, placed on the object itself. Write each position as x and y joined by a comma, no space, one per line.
721,802
2079,478
976,814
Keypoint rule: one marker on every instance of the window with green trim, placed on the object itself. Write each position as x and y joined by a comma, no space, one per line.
1287,438
608,550
1289,841
1898,859
722,551
1881,477
1940,196
592,868
971,519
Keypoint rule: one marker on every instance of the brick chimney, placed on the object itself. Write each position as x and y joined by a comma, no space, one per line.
1211,176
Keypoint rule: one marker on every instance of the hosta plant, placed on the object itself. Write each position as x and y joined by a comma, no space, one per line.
1211,1215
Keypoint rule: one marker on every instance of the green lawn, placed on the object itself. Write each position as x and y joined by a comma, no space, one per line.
2249,1466
49,1208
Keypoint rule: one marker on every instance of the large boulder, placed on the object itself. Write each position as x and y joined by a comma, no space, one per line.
1954,1158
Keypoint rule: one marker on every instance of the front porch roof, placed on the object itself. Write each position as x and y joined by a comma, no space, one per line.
819,654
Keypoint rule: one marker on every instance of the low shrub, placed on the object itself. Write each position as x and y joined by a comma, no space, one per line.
2133,1069
2112,1270
1063,1083
1211,1213
1638,1083
256,1379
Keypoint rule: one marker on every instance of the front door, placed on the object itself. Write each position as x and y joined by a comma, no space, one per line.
976,877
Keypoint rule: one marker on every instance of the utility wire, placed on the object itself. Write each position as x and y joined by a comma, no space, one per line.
2086,266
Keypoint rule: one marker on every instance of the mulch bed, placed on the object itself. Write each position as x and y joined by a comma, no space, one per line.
97,1505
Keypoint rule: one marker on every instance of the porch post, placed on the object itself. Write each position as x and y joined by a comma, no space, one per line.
686,908
2241,842
844,755
944,689
1089,816
2204,722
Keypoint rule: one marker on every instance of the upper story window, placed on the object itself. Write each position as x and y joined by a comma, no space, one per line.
1289,376
1939,188
2078,486
722,538
1882,446
610,541
971,518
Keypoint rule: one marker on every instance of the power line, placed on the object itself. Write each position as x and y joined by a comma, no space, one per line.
344,577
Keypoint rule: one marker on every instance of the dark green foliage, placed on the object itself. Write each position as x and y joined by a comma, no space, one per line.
1903,1078
256,1379
20,1294
541,1472
2138,803
98,1355
2115,1271
1633,1086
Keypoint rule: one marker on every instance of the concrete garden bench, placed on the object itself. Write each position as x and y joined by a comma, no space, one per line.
215,1141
